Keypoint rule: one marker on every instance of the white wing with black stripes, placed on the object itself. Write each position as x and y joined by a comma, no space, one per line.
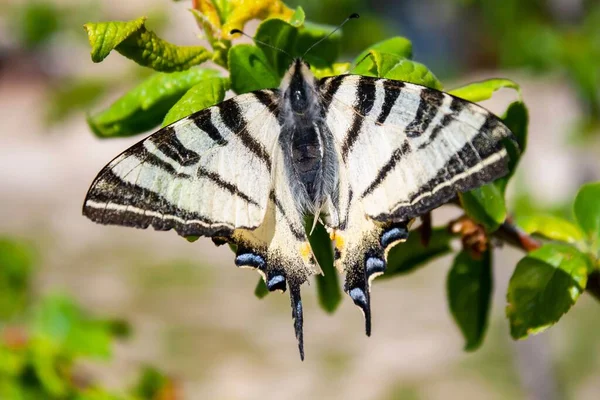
207,174
405,149
219,173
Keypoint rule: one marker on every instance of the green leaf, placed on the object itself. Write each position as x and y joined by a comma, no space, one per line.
280,35
469,289
334,70
16,266
391,66
398,46
516,119
483,90
135,42
485,205
551,227
587,213
295,41
328,287
406,257
250,70
73,97
205,94
61,323
261,289
544,286
298,17
145,106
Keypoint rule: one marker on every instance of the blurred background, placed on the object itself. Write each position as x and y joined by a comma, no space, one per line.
176,320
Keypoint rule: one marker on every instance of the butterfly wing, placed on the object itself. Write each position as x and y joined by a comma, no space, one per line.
405,149
216,173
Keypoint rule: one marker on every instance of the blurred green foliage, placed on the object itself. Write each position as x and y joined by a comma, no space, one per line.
538,35
43,340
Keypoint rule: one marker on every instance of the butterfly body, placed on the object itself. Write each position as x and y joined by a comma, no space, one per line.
363,155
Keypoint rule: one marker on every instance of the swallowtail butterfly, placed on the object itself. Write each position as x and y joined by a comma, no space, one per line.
366,155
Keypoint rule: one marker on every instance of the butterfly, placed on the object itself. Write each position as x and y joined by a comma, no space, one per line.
364,155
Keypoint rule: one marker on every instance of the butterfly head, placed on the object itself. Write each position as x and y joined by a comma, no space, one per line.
298,88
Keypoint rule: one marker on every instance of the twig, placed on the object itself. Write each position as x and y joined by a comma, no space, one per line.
515,236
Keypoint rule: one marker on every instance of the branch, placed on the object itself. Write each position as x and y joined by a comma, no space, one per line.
517,237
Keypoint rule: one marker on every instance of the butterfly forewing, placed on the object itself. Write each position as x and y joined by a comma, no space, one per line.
206,174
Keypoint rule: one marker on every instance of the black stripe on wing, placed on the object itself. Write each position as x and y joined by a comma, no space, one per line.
392,90
114,201
476,157
231,115
365,99
429,105
167,142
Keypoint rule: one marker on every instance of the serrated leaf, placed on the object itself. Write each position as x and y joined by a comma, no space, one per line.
544,286
551,227
485,205
328,287
205,94
398,46
406,257
587,213
134,41
145,106
483,90
469,290
393,67
250,70
261,289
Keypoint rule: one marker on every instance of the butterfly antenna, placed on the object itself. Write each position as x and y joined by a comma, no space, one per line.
351,16
234,31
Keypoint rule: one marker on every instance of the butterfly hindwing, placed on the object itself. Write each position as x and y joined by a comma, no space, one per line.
405,149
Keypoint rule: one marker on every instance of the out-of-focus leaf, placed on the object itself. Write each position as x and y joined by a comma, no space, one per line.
242,11
16,265
71,97
516,119
261,289
297,19
328,287
295,41
151,384
485,205
145,106
207,93
250,70
135,42
469,289
35,22
402,69
62,324
483,90
544,286
397,46
551,227
334,70
406,257
587,213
